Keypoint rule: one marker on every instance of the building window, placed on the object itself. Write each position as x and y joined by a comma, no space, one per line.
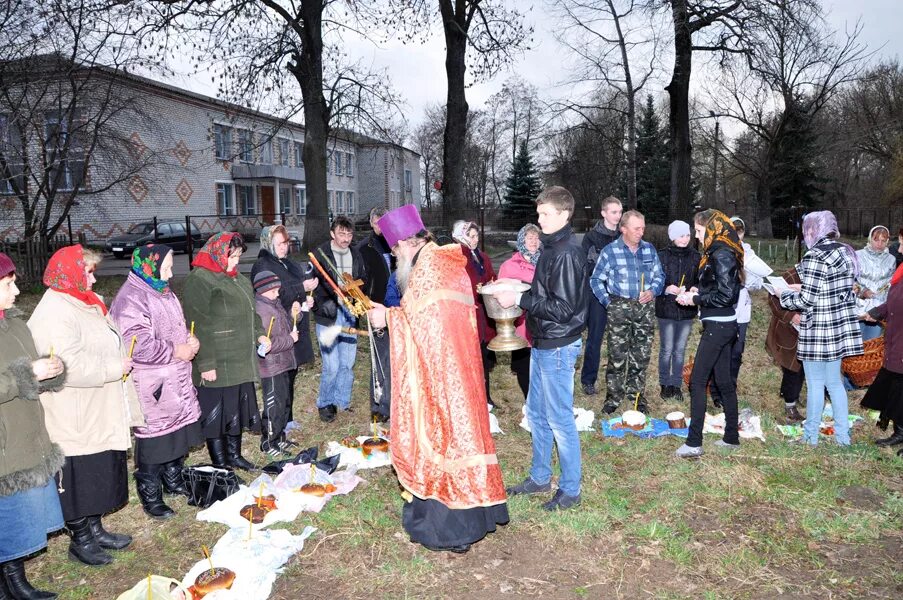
329,162
266,152
247,203
349,164
225,200
339,202
285,200
284,153
408,180
245,146
349,202
12,155
299,155
300,201
339,163
222,141
330,200
64,153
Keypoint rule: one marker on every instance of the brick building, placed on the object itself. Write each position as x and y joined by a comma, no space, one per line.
210,159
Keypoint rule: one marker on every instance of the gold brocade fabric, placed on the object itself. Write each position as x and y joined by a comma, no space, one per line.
441,446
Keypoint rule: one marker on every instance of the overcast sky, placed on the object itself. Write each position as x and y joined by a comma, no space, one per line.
418,71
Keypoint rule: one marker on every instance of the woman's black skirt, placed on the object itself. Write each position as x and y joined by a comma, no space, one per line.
93,484
162,449
886,395
229,410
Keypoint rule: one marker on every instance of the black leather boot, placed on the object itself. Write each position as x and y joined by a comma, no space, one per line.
19,588
150,490
83,547
172,478
217,449
895,438
106,539
5,594
233,454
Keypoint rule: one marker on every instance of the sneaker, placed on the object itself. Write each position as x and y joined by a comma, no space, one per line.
689,452
792,414
327,413
287,446
528,487
561,501
609,408
721,444
274,453
589,389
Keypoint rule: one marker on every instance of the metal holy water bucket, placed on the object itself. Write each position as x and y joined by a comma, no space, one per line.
506,338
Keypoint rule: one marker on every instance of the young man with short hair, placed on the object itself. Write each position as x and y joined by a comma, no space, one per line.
556,306
337,378
605,232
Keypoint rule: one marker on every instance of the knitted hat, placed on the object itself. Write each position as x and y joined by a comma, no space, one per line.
6,266
265,281
678,229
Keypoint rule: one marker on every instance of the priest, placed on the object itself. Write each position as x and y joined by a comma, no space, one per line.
441,448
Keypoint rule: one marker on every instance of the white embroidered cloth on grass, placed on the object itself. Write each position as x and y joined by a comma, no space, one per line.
493,421
289,503
584,419
354,457
750,424
255,562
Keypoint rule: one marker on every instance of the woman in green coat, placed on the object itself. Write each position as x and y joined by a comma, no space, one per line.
219,301
29,504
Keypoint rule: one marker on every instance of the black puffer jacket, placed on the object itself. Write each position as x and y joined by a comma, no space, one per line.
374,248
557,301
325,299
719,284
677,263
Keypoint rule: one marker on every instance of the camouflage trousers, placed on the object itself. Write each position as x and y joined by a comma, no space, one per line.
630,330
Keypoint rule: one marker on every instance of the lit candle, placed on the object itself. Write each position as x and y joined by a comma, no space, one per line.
636,402
681,284
207,554
270,328
192,329
131,349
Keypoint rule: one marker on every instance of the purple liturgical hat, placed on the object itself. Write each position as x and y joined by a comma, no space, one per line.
400,224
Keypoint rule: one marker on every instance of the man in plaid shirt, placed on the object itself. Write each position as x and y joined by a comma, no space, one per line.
627,278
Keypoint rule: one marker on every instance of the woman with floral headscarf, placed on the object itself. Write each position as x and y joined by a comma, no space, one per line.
522,266
147,309
220,301
828,324
876,266
294,295
91,416
720,280
479,268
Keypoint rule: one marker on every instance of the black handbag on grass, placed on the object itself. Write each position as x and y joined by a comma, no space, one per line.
208,484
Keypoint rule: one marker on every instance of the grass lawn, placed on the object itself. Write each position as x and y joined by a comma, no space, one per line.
772,520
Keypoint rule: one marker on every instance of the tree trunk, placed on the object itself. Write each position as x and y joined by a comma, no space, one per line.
681,204
308,71
454,139
631,109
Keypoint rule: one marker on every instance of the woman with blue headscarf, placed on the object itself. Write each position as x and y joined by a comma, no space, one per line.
147,309
522,266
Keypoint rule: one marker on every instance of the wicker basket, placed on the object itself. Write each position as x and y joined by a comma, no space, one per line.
862,368
688,370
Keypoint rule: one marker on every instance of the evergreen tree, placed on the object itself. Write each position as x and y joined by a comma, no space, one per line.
793,179
653,174
522,186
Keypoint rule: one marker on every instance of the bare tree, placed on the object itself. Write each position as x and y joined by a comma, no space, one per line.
611,38
492,33
267,52
65,116
426,142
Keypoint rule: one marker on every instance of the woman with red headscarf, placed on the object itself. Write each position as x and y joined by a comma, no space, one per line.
90,417
220,302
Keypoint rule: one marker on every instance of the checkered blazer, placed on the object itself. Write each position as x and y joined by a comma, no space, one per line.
829,327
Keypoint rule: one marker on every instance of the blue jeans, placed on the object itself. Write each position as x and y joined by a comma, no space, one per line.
821,375
337,377
596,320
550,413
672,351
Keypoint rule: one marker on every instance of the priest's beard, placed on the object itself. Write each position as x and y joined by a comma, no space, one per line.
403,273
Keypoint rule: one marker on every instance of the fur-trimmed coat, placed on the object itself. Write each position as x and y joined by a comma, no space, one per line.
28,458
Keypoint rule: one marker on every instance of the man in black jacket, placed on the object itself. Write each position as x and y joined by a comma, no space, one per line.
338,258
605,232
380,263
556,308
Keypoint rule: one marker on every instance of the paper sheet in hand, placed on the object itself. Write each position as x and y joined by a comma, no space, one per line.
776,285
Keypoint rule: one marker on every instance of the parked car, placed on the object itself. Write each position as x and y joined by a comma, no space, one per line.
171,233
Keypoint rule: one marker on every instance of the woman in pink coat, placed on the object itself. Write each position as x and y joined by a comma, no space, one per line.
147,309
522,266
